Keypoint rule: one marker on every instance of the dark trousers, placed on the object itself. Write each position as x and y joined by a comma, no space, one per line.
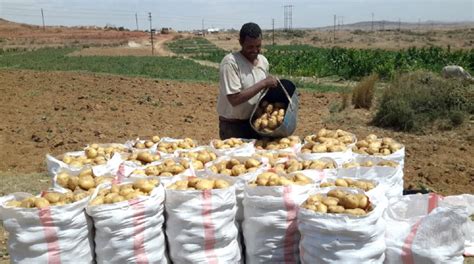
238,129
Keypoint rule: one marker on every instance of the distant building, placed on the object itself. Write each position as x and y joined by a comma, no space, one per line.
213,30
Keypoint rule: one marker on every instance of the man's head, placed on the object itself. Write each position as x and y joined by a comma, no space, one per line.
250,40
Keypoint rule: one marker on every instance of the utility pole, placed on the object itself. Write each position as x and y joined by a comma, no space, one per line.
285,8
334,28
203,34
273,31
151,35
42,16
291,17
372,21
136,20
399,24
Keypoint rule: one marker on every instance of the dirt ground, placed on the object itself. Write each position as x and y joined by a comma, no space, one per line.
55,112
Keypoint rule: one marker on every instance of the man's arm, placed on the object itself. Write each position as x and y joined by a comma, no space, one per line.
245,95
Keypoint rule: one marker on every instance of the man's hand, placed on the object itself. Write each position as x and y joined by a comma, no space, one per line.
270,82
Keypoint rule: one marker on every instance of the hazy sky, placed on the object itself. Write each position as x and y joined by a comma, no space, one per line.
189,14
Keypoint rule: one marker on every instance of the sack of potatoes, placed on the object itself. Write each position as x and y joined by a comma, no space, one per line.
229,143
83,181
274,179
169,145
165,168
370,163
94,154
235,166
47,199
365,185
278,143
125,191
193,183
339,201
327,135
373,145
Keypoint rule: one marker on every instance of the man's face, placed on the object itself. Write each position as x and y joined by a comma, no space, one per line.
251,47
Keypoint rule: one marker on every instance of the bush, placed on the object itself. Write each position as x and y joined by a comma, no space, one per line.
363,93
415,100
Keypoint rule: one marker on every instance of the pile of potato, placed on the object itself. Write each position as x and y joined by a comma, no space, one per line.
48,199
276,144
327,135
368,163
119,193
199,158
273,179
171,147
269,116
234,167
339,202
293,165
227,143
361,184
167,168
194,183
372,145
147,143
84,182
93,155
143,157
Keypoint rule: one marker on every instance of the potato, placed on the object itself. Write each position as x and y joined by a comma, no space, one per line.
341,183
335,209
221,184
250,163
73,182
40,203
349,201
330,201
355,211
205,184
97,201
62,179
52,197
86,182
238,170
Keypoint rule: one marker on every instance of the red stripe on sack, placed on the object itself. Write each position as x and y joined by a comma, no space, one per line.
50,235
407,253
433,199
138,230
321,175
120,175
209,229
291,225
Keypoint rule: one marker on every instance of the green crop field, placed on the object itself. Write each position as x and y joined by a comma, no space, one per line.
197,48
50,59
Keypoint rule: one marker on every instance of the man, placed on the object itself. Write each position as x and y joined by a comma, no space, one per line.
243,76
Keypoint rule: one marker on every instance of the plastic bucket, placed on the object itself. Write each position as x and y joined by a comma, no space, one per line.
285,93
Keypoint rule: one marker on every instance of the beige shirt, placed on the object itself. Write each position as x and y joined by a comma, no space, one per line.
236,74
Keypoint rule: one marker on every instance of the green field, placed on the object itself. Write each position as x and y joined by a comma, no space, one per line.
197,48
50,59
170,68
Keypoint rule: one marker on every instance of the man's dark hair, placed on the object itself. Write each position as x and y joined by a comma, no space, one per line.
250,30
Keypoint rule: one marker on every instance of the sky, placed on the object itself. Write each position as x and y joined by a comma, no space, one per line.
226,14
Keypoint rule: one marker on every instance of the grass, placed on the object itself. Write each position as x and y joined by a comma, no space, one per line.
32,183
50,59
415,100
197,48
363,93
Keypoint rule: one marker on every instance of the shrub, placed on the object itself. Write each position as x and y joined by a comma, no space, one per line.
363,93
417,99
